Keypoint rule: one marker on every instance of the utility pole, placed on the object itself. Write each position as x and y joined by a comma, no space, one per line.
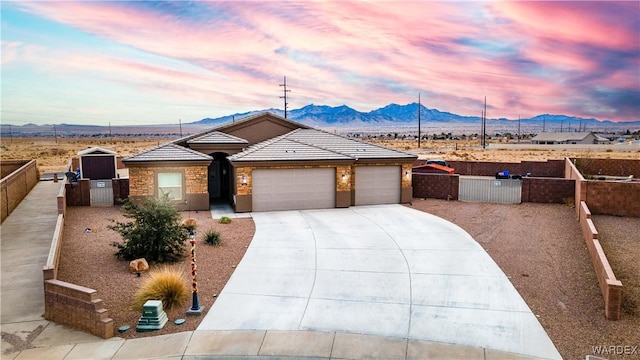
110,135
419,129
180,122
518,128
10,134
544,123
55,133
561,124
284,92
484,124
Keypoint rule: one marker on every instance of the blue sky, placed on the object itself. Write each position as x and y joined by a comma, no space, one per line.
125,62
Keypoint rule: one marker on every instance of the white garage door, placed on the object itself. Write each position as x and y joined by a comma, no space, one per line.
377,185
293,189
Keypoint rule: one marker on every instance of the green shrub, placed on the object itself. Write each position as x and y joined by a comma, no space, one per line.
212,237
166,284
225,220
155,232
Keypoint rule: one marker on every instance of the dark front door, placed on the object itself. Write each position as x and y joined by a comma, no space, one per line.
214,179
219,177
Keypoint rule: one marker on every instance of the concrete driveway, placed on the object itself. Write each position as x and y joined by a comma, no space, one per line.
380,270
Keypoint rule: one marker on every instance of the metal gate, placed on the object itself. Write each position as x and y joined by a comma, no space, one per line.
486,189
101,193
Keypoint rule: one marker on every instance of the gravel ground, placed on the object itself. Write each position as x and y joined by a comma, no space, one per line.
539,246
87,259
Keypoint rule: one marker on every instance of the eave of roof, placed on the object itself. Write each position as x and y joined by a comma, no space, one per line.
167,152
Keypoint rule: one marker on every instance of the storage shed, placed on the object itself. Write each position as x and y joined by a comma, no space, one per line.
97,164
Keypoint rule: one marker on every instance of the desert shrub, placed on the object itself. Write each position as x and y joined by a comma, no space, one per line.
155,232
225,220
165,284
212,237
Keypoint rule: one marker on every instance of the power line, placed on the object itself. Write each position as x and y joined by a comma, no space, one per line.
284,92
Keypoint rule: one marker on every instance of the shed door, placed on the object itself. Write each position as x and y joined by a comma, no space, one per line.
98,167
293,189
378,185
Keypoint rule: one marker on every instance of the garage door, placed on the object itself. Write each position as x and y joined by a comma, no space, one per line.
293,189
377,185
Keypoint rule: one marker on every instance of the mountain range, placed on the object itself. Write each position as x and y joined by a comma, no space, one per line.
344,119
394,115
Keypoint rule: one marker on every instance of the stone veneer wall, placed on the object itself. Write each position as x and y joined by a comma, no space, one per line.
142,180
21,177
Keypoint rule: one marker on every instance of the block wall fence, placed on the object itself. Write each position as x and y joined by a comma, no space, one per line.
18,178
610,287
68,304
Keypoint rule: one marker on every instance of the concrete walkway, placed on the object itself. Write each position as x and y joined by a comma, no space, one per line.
423,305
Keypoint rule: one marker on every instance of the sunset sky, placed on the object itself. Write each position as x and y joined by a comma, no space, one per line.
139,62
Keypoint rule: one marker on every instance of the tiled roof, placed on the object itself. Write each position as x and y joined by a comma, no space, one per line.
217,137
312,144
168,152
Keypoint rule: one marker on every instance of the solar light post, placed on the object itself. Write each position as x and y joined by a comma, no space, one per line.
195,309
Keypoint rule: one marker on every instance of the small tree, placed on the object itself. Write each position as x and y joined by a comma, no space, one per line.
155,232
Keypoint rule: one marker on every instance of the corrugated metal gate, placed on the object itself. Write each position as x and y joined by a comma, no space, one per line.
101,193
486,189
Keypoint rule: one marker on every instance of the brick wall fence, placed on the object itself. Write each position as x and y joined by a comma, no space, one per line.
435,186
68,304
611,167
610,287
549,168
534,189
604,197
18,178
548,190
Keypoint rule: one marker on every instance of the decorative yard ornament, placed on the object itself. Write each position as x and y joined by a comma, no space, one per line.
195,309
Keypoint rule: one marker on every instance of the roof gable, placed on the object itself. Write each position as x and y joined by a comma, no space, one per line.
168,152
96,151
217,137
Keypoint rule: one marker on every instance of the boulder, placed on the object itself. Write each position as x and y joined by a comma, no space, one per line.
138,265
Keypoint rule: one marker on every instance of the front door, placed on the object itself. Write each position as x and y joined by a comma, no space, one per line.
218,180
214,180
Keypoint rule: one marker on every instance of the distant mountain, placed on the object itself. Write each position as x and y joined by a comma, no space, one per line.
405,115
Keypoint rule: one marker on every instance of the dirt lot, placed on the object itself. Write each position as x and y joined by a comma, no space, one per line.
539,246
53,156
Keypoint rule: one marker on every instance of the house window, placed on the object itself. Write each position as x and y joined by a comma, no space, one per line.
171,184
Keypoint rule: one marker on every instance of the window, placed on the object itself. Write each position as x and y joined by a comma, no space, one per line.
171,184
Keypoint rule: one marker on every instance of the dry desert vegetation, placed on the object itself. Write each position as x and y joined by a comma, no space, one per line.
53,154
